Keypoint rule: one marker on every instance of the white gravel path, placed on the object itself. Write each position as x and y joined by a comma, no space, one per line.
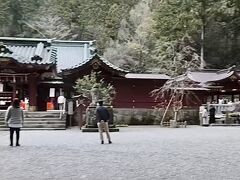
137,153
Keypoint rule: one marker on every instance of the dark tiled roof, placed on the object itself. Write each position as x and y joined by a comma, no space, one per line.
30,51
209,75
202,79
65,54
146,76
71,53
96,56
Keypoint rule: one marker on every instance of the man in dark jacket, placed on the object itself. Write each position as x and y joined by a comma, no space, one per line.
103,116
212,112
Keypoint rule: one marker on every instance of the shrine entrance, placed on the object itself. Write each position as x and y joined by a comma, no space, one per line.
12,85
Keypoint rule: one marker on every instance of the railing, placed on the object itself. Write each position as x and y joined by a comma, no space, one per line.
222,108
224,111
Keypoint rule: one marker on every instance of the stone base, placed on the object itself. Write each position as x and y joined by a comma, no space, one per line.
224,125
32,108
93,126
173,124
96,129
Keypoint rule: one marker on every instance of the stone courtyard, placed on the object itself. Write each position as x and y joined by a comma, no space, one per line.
138,153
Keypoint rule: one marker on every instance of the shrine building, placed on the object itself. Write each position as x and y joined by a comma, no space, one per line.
39,70
215,84
29,68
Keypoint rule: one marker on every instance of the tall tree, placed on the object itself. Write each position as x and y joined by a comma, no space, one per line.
132,48
46,23
223,46
183,22
4,16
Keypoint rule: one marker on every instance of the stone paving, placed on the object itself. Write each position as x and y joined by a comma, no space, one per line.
138,153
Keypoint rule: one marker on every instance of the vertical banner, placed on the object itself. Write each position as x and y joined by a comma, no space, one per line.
52,92
1,87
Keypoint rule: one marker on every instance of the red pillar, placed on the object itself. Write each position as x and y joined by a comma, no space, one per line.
32,91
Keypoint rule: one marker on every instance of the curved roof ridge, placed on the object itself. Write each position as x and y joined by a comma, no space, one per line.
203,77
92,57
110,64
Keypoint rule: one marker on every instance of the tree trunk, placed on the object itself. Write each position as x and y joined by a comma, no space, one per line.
165,112
203,18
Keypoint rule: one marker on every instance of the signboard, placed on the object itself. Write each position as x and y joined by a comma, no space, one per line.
1,87
52,92
4,62
70,107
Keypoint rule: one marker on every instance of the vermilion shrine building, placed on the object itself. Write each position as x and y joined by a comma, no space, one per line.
41,69
133,90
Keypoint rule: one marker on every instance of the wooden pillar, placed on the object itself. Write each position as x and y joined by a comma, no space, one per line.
14,91
32,91
217,97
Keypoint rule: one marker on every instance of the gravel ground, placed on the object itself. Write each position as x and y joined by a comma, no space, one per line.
138,153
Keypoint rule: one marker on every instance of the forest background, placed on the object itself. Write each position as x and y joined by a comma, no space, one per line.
158,36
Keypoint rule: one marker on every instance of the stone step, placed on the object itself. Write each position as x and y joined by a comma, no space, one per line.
37,129
42,115
34,123
36,114
40,126
44,122
42,119
44,125
39,120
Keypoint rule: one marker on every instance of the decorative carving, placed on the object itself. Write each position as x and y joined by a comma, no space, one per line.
95,66
36,58
233,78
4,49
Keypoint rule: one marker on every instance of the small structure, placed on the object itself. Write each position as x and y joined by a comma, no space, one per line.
223,84
91,121
222,92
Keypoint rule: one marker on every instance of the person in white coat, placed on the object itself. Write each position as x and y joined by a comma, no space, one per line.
205,118
61,102
14,120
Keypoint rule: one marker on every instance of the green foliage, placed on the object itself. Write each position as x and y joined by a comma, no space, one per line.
139,35
48,24
4,16
91,82
13,13
132,49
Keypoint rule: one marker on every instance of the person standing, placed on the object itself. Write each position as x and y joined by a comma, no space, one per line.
205,120
14,119
212,112
103,116
61,102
